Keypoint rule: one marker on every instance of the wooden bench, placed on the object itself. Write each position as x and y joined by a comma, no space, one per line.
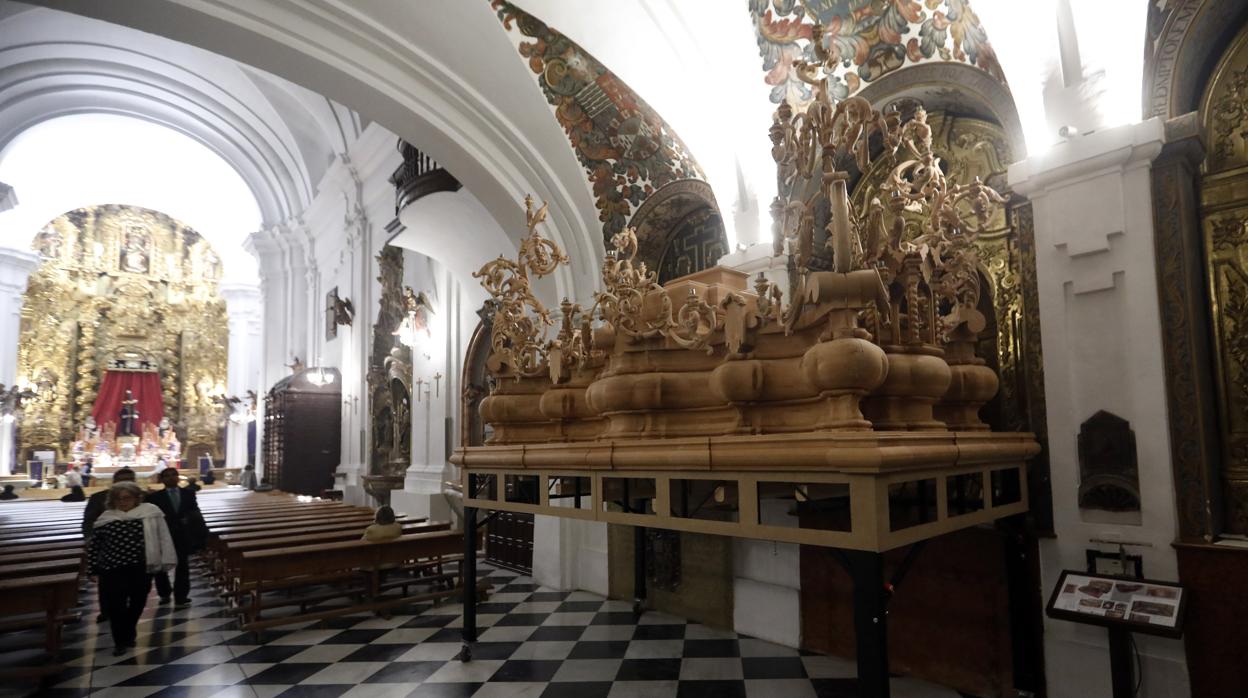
54,594
286,568
232,559
42,567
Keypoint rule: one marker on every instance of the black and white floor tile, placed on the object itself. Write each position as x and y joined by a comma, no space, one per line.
533,642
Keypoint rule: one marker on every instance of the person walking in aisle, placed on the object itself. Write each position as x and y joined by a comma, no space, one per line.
96,504
129,543
185,521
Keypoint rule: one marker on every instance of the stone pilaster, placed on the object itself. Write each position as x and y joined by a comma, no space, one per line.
16,267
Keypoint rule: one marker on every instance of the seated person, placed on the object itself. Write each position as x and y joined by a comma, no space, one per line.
209,478
384,527
8,493
75,495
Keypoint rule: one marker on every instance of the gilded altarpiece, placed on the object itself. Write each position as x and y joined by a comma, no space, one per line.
1224,204
972,148
122,284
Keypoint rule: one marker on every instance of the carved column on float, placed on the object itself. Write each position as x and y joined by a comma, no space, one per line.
15,269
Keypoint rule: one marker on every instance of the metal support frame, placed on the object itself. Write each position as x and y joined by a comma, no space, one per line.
866,569
1121,663
469,633
639,568
871,596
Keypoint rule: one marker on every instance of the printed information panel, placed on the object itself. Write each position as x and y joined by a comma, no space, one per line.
1138,605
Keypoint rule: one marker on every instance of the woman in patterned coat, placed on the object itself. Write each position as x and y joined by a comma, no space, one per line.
131,542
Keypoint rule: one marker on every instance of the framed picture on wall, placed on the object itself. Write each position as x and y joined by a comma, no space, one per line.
205,464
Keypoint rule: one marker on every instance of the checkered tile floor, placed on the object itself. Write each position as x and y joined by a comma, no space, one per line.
533,642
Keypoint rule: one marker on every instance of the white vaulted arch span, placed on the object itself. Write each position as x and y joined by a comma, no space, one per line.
454,88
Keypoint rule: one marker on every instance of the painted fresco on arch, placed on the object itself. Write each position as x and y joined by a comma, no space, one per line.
871,38
627,149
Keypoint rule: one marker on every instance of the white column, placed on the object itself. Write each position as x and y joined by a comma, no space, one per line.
15,269
274,317
1101,326
243,309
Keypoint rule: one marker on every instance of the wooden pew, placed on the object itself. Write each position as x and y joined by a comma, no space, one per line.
288,568
55,595
38,568
232,559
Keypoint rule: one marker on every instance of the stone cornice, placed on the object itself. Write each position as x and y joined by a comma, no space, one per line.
16,267
1116,149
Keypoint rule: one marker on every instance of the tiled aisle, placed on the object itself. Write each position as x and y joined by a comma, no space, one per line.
533,642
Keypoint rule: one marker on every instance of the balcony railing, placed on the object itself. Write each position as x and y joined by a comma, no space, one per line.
418,176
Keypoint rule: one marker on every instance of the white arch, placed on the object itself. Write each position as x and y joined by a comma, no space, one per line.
454,87
88,159
55,64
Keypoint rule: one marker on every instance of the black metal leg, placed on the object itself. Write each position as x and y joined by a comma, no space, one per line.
870,621
639,570
470,583
1121,664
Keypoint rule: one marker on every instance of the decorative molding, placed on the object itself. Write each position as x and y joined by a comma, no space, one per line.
1190,396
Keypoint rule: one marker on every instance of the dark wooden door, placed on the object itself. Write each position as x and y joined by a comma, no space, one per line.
509,541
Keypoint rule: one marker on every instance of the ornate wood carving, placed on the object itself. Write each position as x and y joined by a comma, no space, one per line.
389,375
1191,400
1224,192
974,148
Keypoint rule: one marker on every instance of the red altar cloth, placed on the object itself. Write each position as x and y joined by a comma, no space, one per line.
143,385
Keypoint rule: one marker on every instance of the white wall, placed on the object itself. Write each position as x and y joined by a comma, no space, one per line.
333,243
1099,313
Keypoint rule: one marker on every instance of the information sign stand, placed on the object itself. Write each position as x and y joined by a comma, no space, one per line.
1122,605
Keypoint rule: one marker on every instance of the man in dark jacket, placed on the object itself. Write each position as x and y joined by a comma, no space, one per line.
96,504
185,522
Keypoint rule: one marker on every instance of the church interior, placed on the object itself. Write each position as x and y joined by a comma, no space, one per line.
690,348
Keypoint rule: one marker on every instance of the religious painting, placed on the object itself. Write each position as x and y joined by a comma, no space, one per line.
136,250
